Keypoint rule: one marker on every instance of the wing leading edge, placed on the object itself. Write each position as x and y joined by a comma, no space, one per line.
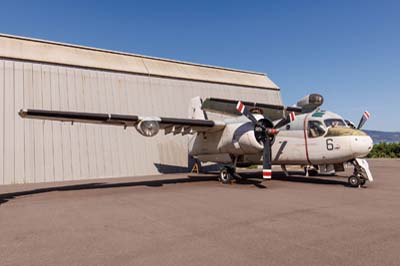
169,124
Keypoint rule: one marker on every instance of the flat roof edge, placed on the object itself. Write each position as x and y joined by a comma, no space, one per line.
36,50
128,54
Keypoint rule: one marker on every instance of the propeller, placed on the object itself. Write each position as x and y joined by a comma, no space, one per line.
265,131
364,119
244,111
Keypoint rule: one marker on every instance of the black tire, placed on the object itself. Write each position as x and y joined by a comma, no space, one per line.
354,181
225,176
362,182
312,172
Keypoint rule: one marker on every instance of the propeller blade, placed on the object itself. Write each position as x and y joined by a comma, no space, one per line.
244,111
364,119
267,170
289,118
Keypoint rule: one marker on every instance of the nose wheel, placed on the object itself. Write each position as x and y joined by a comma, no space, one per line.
354,181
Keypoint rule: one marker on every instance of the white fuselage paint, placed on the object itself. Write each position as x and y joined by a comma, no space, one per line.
292,145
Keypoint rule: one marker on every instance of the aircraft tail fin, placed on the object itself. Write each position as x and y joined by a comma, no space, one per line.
195,110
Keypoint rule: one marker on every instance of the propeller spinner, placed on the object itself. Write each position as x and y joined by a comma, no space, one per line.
265,131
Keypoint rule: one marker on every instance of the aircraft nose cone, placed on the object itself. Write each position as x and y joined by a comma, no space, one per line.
361,145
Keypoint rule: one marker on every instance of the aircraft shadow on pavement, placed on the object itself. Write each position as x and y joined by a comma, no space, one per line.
5,197
249,178
103,185
278,175
297,177
173,169
170,169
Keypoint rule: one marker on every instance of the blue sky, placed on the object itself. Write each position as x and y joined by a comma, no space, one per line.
349,51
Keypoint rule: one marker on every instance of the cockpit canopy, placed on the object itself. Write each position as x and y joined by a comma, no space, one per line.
322,123
333,122
318,127
315,129
331,127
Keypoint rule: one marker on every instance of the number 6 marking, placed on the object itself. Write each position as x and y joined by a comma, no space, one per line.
329,144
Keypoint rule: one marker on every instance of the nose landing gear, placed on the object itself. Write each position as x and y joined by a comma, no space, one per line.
361,173
356,180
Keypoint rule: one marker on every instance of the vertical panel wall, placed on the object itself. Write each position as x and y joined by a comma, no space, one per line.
46,151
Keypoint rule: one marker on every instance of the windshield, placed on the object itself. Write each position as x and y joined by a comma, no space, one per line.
334,122
315,129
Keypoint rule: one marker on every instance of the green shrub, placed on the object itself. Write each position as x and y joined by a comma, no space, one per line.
385,150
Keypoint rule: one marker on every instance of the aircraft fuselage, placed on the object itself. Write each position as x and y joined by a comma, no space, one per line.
314,138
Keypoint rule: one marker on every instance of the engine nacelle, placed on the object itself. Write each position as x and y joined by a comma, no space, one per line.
310,102
238,139
148,127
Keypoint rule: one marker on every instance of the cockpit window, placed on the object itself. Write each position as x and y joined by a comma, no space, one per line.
334,122
315,129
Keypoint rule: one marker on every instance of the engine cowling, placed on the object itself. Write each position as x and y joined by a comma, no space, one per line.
239,138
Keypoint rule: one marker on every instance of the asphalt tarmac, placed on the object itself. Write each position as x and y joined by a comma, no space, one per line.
181,220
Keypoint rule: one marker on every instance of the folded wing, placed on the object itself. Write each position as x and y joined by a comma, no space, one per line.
273,112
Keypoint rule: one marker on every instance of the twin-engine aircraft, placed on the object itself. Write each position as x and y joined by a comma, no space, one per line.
256,133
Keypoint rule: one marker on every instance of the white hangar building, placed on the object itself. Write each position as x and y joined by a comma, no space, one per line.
47,75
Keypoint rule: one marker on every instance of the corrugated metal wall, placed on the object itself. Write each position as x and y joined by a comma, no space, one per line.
44,151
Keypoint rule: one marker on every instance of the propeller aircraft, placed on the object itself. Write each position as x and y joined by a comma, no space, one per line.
255,133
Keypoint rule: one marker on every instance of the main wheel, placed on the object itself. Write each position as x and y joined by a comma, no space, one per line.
354,181
312,172
225,176
362,182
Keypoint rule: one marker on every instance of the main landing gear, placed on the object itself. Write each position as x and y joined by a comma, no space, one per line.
228,173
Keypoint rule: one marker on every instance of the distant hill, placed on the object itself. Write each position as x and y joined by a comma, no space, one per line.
382,136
